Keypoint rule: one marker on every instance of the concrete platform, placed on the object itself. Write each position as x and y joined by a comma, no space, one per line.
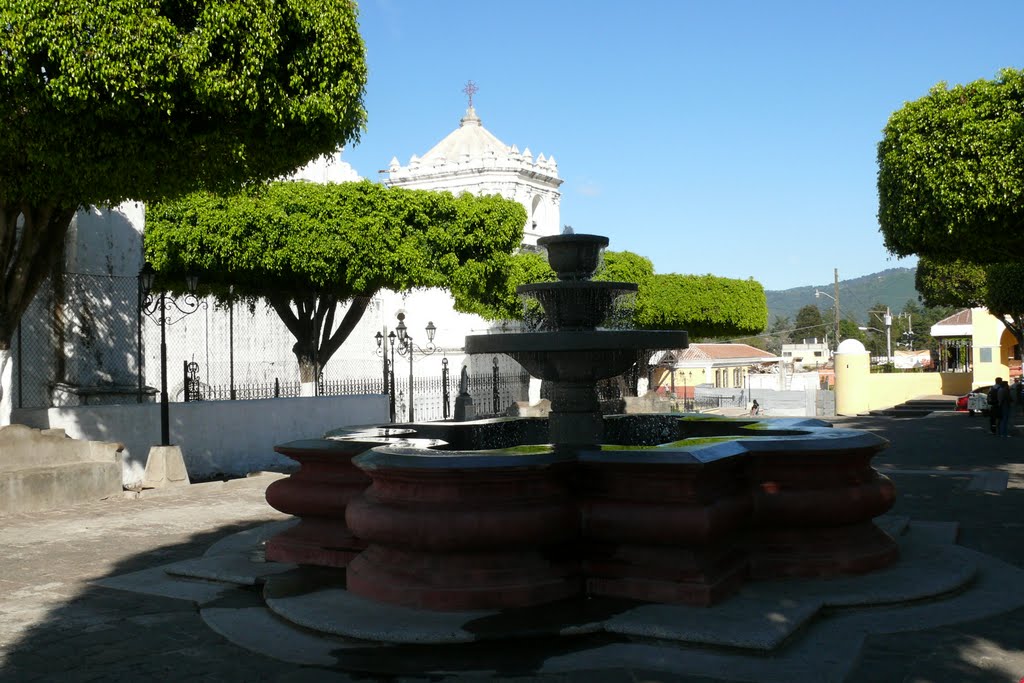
771,631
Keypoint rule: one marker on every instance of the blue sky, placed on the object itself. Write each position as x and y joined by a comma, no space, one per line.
733,138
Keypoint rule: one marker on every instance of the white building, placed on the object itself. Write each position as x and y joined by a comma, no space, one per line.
808,354
472,159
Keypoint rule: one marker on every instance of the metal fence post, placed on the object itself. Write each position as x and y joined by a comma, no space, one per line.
139,362
445,396
494,384
185,382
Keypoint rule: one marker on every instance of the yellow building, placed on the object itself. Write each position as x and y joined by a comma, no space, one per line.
678,371
974,348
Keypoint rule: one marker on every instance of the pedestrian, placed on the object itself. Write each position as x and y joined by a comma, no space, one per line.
755,409
993,405
1005,403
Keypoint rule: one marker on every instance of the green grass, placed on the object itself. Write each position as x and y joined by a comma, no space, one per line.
684,443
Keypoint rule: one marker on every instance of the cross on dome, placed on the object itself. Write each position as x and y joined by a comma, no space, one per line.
470,90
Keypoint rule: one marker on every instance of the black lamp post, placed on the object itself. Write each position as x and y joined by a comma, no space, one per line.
155,305
406,347
389,367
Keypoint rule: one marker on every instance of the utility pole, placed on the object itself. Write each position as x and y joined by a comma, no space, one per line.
835,310
888,335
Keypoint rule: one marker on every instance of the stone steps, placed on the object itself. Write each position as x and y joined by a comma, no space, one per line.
920,407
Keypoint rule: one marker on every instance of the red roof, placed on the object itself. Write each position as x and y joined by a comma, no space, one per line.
723,352
959,318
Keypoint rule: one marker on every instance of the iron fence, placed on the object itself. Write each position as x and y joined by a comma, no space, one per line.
79,342
84,340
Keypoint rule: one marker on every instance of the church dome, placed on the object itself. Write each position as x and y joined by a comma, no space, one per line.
470,140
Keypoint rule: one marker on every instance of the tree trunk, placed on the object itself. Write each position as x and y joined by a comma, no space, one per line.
29,249
308,369
311,322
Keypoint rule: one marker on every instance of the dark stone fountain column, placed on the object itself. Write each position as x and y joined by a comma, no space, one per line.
575,419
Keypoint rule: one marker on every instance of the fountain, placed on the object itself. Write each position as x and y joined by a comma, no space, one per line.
524,512
573,354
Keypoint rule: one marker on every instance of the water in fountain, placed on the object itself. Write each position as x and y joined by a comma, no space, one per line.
575,349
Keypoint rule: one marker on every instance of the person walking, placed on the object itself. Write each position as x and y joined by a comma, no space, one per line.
1005,405
993,405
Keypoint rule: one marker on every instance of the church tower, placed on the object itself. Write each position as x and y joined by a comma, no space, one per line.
472,159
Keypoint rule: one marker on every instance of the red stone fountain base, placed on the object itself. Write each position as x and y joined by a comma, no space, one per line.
318,494
462,581
463,531
685,522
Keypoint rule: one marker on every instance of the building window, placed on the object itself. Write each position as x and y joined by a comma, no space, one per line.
737,377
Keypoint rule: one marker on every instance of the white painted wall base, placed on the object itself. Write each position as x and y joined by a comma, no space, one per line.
216,437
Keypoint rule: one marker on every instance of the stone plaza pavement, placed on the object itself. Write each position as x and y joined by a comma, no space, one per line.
58,624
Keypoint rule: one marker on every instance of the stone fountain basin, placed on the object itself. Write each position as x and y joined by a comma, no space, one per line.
571,356
709,505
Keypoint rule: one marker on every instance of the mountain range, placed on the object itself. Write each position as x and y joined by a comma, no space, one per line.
892,288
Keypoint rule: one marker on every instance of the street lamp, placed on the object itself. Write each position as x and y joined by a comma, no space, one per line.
389,367
156,305
406,347
835,304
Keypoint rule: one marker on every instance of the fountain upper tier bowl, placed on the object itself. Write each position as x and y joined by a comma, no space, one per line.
571,356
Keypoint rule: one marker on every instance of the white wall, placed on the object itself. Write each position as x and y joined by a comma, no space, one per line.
229,437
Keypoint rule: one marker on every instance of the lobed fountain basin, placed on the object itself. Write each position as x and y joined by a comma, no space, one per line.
487,515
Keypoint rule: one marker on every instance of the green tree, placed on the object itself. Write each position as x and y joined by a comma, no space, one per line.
950,283
964,285
144,99
1004,284
496,299
624,266
307,249
808,325
951,173
706,306
848,329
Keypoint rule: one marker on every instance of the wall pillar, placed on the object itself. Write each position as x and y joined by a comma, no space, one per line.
853,370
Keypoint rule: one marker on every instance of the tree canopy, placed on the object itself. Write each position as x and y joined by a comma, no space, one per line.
1004,296
704,305
306,248
950,283
999,287
951,173
808,325
141,99
146,99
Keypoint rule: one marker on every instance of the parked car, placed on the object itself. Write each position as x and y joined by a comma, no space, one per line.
974,402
